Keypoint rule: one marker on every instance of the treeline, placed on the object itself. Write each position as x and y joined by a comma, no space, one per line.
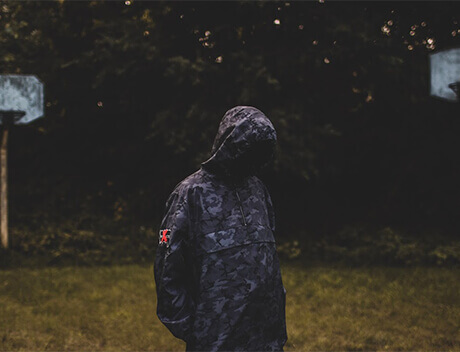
135,92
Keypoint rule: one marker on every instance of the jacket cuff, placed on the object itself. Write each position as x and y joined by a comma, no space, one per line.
182,329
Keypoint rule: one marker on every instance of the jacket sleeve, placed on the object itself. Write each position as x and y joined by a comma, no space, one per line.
175,305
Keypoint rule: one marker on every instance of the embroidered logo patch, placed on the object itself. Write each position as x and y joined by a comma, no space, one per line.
164,237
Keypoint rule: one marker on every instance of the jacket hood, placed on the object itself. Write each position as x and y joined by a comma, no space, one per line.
244,144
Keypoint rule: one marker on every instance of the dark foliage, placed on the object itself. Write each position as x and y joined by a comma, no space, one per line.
135,90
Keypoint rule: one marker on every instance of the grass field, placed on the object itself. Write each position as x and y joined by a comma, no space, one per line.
113,308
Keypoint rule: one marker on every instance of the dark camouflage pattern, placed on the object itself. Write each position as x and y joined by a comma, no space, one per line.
218,279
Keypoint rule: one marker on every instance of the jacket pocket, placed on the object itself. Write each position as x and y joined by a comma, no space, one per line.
233,237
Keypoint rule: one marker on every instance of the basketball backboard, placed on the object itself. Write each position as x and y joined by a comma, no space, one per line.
445,73
21,93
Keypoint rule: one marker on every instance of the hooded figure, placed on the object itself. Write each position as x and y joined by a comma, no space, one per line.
217,272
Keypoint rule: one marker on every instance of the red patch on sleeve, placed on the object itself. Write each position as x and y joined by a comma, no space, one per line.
164,237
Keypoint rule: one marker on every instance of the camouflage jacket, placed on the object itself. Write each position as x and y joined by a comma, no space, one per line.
217,272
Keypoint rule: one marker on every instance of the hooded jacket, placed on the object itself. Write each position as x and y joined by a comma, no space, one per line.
217,272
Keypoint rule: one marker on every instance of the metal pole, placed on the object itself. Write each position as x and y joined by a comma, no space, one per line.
8,118
4,186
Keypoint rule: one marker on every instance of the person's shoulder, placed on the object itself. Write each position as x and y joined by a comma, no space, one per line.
189,183
260,185
256,180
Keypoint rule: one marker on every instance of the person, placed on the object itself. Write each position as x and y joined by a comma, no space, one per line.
217,272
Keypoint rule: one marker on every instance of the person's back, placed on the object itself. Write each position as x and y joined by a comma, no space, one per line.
217,273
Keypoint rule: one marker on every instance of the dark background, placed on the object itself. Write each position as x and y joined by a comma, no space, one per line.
135,92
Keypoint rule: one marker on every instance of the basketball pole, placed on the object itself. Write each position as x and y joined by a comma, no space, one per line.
7,118
4,186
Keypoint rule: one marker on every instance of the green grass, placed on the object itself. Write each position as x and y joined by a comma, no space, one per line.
113,308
